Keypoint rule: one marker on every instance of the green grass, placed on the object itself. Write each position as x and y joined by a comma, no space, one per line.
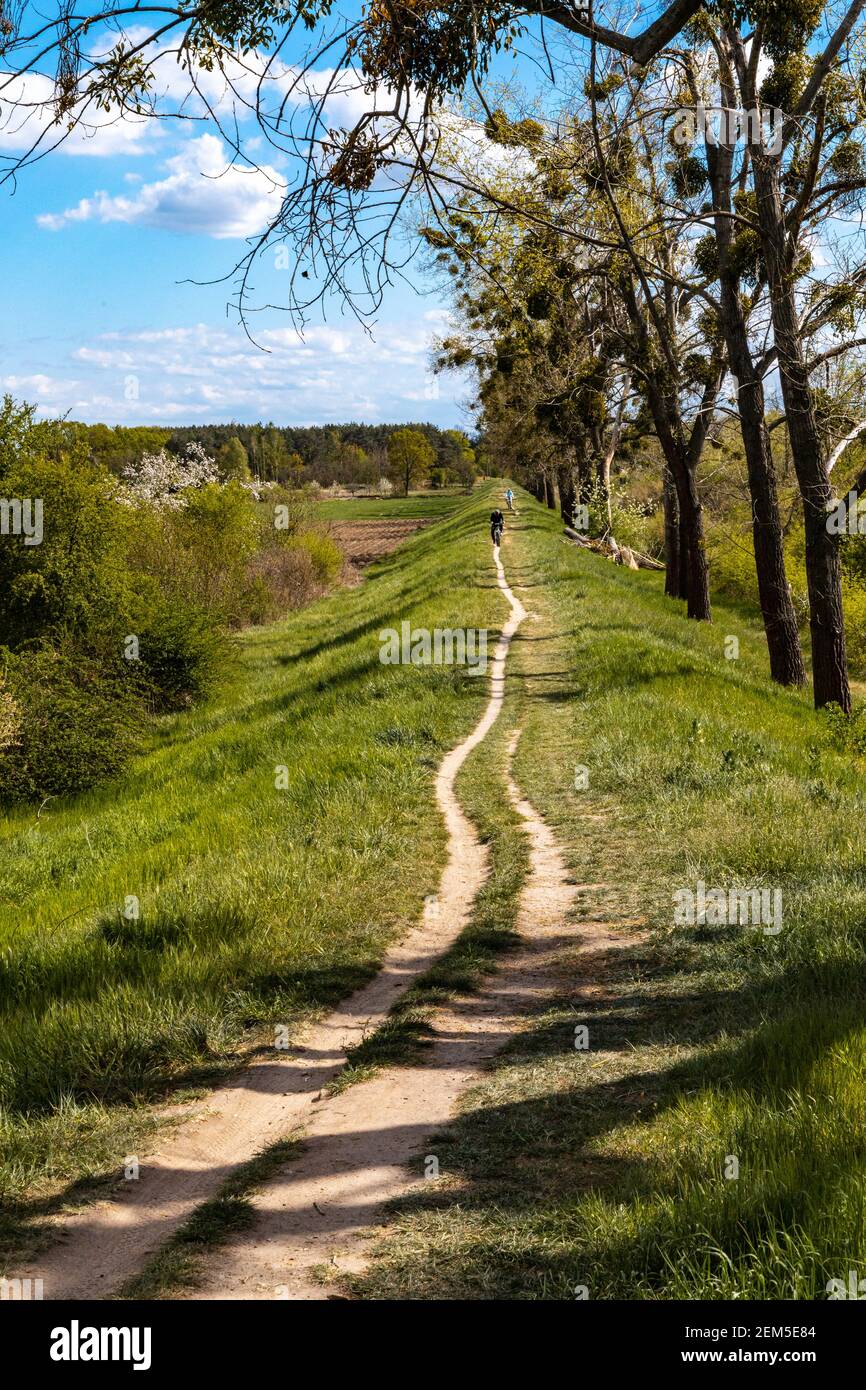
258,906
417,504
606,1169
403,1038
401,1041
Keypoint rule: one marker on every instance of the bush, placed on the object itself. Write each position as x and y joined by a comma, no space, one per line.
79,722
198,554
10,716
325,554
280,579
182,653
74,580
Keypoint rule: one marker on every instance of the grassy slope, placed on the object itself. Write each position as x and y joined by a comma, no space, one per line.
605,1169
417,504
258,906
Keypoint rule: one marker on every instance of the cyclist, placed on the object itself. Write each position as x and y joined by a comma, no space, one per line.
509,498
497,525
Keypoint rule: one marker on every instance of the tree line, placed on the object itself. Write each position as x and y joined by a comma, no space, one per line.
355,456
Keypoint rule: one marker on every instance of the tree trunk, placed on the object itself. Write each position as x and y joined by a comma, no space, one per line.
565,481
694,570
683,553
823,569
549,490
777,606
672,537
692,532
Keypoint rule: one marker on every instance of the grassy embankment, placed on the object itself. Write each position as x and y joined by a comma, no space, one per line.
607,1169
416,505
257,905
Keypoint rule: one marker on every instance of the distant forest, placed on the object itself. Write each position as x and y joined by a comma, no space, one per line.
351,454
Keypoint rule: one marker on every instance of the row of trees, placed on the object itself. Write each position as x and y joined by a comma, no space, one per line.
643,274
356,457
634,264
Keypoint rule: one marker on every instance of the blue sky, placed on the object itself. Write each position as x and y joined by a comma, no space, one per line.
102,239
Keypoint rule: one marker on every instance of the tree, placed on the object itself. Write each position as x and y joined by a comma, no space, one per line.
233,461
456,458
274,461
410,457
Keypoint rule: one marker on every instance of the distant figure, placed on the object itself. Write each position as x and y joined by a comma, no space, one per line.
509,497
497,525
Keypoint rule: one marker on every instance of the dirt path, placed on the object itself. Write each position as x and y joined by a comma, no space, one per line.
318,1214
106,1243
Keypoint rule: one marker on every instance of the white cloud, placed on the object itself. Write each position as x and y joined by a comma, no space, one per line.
27,112
204,194
199,372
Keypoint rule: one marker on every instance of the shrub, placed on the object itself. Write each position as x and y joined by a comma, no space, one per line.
281,578
79,722
182,653
74,581
325,555
198,554
169,480
10,716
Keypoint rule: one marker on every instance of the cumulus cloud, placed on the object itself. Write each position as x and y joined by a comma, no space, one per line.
27,113
203,194
200,372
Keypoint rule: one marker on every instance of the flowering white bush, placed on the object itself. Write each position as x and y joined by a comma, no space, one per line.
385,487
163,479
257,488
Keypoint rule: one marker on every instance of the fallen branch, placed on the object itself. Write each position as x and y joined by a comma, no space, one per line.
621,555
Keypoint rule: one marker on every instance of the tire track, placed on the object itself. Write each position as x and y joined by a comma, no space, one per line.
102,1246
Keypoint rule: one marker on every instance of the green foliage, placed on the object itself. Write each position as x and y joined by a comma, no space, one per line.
325,555
118,446
183,653
846,159
200,553
707,257
688,176
784,84
233,461
786,25
410,457
431,47
79,721
75,581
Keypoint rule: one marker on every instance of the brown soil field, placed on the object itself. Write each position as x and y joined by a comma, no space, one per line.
366,541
